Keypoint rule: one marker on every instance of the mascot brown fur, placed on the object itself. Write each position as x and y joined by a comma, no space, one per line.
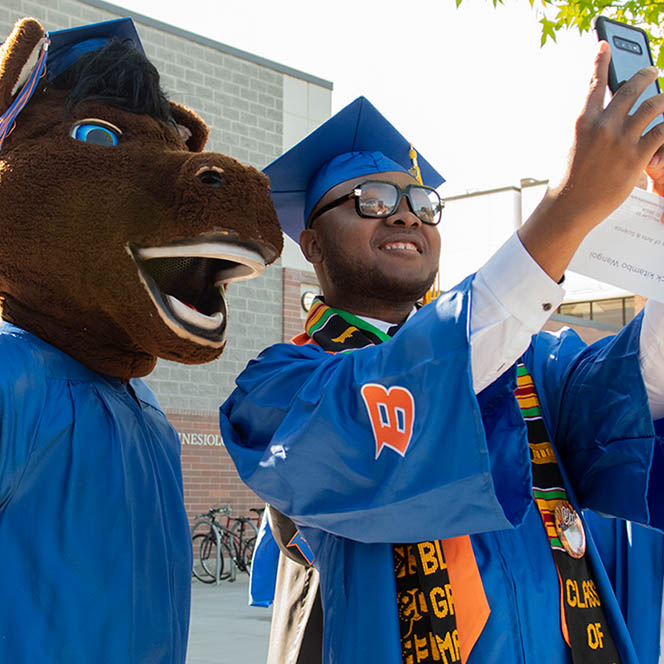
119,236
80,220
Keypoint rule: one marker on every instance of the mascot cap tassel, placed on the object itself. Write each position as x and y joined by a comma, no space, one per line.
8,119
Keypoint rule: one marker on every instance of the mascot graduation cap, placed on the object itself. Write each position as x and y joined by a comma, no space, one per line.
119,235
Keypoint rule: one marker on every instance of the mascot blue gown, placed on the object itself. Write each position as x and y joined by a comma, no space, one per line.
91,491
299,433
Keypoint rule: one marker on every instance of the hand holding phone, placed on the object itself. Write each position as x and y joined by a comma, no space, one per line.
630,52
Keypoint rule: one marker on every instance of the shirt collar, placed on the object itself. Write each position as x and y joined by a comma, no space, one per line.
382,325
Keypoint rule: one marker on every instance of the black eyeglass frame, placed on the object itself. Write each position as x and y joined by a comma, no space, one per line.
356,192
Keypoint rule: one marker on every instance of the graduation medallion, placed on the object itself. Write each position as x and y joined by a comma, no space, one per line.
570,529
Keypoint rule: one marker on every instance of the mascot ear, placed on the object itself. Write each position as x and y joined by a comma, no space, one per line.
192,129
18,57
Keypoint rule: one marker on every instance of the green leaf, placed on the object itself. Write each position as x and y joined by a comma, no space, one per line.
548,30
659,58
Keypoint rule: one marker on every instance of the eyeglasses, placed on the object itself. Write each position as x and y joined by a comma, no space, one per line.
378,199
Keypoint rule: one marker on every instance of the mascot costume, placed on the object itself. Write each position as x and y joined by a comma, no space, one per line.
118,238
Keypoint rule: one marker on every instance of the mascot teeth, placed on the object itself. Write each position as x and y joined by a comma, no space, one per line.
186,283
242,262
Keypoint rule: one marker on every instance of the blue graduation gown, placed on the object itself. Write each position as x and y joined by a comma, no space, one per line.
263,577
94,543
300,436
634,559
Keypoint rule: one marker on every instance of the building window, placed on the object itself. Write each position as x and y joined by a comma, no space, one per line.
578,309
617,311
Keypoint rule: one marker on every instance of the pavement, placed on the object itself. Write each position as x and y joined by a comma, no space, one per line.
223,628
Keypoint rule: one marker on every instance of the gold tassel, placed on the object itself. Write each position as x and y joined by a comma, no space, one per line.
414,170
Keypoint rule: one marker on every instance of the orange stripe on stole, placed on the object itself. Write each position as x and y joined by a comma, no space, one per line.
470,603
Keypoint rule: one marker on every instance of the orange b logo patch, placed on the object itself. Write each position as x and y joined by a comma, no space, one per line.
392,413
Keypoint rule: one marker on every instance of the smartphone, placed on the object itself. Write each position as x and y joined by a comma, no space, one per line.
630,51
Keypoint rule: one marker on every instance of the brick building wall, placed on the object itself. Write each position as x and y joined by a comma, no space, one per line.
244,99
210,477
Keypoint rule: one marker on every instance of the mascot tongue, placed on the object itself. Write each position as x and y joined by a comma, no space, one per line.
205,321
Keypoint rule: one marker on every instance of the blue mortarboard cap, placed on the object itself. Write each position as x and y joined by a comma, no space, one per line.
67,46
357,141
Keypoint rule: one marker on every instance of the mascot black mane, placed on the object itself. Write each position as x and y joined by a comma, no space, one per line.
119,237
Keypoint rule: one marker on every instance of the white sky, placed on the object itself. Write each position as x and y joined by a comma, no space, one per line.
470,87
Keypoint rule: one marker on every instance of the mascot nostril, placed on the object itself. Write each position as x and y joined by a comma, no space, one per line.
119,238
210,176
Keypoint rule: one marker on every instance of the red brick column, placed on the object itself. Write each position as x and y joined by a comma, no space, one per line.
294,317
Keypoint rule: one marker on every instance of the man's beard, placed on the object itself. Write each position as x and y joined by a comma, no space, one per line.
353,278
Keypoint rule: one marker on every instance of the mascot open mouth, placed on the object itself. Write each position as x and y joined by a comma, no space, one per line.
187,282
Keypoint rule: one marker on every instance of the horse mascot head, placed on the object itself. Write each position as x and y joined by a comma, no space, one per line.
119,233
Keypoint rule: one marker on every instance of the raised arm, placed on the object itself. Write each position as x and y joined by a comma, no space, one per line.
608,156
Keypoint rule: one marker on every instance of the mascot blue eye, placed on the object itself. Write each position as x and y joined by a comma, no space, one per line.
97,134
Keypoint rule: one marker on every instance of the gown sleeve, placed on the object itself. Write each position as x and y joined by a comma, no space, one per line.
432,459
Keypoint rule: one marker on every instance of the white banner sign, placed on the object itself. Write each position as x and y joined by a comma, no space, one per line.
627,248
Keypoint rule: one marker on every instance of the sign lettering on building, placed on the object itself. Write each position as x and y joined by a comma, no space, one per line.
201,439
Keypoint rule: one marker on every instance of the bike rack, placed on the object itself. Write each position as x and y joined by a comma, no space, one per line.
218,568
217,536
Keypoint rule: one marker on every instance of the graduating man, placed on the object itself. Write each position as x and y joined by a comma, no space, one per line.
435,478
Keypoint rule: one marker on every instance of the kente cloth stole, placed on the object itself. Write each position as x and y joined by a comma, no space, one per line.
583,622
425,572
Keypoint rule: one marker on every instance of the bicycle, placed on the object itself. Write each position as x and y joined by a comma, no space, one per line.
214,544
213,559
245,534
